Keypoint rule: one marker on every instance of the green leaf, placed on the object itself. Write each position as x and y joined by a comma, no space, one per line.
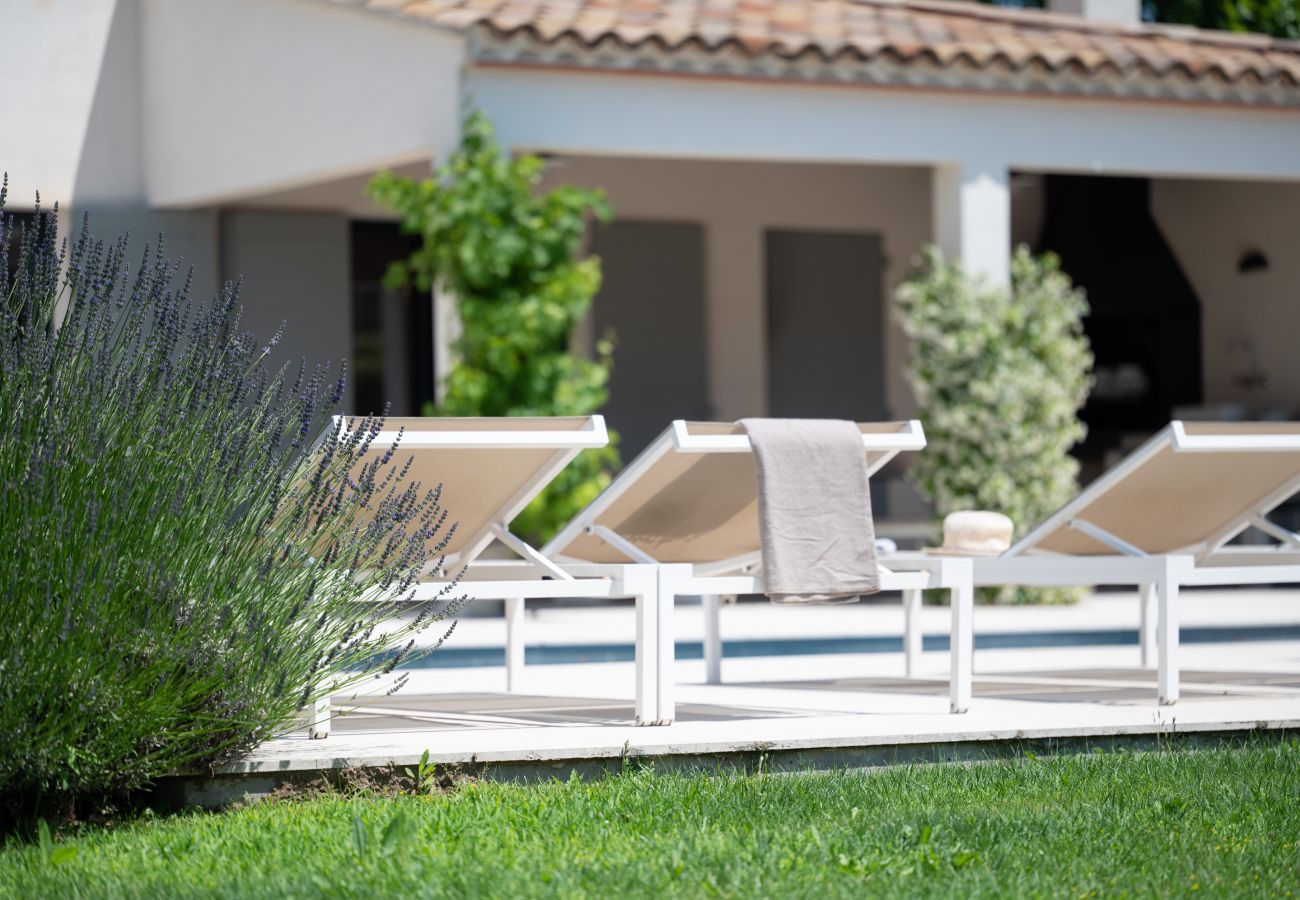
398,832
360,835
43,839
963,858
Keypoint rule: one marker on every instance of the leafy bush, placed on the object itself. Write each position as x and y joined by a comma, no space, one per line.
182,566
999,376
508,255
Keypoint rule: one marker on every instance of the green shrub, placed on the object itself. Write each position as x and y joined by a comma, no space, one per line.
182,567
999,376
509,256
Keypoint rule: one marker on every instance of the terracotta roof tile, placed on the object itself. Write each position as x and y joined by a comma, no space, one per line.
944,32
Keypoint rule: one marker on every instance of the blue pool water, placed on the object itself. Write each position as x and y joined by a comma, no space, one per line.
451,657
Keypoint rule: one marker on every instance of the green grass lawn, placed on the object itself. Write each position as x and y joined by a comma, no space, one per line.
1222,822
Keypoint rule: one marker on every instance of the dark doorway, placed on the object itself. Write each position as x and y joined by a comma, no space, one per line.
825,329
825,335
1145,319
392,329
652,299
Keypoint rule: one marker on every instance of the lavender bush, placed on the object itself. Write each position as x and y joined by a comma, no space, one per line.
185,567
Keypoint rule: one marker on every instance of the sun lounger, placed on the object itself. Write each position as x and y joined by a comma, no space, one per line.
1160,520
490,469
688,505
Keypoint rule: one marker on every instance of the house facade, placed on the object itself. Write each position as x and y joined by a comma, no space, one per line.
774,166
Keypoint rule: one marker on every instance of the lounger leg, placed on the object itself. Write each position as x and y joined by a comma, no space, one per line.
712,639
963,645
640,583
514,642
911,631
1147,624
318,727
666,590
1168,638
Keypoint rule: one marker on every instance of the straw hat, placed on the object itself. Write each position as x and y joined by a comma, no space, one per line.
974,533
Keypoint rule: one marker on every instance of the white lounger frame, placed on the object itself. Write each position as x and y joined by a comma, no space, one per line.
501,580
713,580
1159,576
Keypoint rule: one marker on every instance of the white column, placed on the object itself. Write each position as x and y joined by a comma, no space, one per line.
962,642
1147,624
514,642
446,316
712,638
668,577
641,583
972,216
446,331
1167,675
318,722
911,632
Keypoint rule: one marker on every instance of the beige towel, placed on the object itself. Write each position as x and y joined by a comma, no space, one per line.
814,510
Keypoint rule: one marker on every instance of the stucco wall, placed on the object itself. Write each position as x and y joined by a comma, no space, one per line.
111,168
190,103
736,202
244,97
52,54
1210,225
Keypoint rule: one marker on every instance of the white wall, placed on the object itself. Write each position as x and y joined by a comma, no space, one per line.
296,268
662,115
736,202
50,59
244,97
1210,225
110,171
190,103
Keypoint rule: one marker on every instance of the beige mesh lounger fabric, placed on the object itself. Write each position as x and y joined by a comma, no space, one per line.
1160,520
490,468
688,505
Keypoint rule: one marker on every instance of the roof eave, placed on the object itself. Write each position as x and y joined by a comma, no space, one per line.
522,47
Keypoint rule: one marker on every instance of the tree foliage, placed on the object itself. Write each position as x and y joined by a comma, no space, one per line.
509,255
999,376
1278,18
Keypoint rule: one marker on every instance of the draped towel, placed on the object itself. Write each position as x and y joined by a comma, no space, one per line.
814,510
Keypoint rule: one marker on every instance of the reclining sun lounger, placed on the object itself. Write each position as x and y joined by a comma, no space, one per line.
689,505
1160,520
490,469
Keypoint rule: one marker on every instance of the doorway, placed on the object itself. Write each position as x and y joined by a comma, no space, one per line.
652,300
825,330
825,325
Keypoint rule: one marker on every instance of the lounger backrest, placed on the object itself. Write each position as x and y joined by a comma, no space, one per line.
1192,487
490,468
691,496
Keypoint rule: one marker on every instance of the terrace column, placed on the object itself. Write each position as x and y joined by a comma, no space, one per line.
446,315
972,215
446,331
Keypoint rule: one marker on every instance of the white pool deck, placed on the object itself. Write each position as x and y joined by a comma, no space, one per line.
825,703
